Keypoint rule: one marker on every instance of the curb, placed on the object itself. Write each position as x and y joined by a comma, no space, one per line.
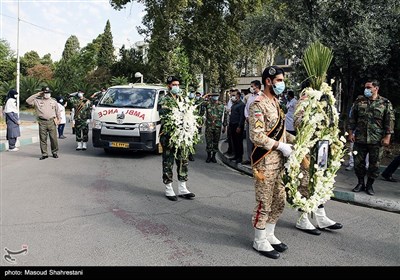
21,141
340,194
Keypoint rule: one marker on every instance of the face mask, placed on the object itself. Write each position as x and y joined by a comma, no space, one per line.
80,94
279,88
61,100
197,97
252,90
47,95
233,98
175,90
215,98
191,95
367,92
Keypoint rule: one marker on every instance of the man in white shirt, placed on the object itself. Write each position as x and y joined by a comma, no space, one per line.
291,106
255,90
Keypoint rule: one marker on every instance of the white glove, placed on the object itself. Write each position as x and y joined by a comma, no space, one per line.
88,121
286,149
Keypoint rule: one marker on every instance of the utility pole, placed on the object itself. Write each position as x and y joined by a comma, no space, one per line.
18,64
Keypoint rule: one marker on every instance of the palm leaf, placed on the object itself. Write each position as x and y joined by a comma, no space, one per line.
316,61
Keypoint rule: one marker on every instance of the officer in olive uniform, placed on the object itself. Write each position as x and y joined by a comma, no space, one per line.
48,117
168,157
82,116
370,127
268,133
214,111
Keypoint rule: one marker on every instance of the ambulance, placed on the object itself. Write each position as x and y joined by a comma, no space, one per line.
126,118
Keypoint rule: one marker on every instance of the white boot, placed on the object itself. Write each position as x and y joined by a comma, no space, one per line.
84,146
262,245
275,242
79,147
183,191
169,192
304,224
324,222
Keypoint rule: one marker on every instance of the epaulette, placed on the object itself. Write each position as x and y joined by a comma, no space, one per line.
259,98
360,98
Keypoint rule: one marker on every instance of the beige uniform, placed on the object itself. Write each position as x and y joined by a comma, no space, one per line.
269,187
47,111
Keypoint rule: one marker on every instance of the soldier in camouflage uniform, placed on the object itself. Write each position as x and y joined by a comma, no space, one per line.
168,157
268,133
82,117
370,127
214,110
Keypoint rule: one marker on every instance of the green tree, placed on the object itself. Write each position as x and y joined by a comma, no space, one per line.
8,63
29,86
68,69
106,54
130,62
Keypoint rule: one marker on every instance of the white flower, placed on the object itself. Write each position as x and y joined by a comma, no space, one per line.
312,130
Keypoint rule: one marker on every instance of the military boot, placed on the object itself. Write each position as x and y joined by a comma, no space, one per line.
369,190
208,157
213,158
360,186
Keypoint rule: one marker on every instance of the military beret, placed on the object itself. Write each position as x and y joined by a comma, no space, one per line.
171,79
271,72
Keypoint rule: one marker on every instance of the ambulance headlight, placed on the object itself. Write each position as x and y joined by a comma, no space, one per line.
147,127
97,124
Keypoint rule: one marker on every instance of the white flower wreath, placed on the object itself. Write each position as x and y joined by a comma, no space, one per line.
182,124
312,129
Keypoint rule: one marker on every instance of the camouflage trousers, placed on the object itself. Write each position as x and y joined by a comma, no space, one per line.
212,135
48,128
81,131
168,163
270,190
375,152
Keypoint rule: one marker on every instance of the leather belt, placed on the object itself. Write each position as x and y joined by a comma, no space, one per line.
43,119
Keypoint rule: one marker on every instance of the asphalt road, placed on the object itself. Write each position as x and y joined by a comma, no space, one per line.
88,208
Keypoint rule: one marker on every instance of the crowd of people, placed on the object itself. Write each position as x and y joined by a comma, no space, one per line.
270,127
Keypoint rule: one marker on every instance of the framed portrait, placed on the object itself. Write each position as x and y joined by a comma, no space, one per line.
322,154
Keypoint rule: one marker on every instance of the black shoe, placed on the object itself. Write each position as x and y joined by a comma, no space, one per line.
172,197
310,231
389,178
370,190
43,157
191,158
334,226
187,195
55,156
281,247
269,254
213,159
359,187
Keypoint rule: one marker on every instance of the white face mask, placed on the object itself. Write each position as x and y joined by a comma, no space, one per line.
80,94
47,95
252,90
233,98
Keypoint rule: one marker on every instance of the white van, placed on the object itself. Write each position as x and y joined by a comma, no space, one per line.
126,118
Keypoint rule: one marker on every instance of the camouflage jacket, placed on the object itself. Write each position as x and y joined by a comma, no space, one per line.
263,117
83,108
371,120
214,111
